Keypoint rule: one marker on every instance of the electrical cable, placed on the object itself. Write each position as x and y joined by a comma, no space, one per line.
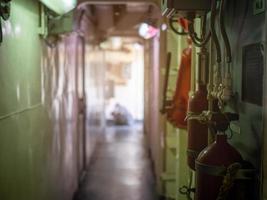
224,34
204,39
213,32
194,34
204,23
197,41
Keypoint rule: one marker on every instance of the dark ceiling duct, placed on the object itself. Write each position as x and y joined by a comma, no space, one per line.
129,19
86,25
105,17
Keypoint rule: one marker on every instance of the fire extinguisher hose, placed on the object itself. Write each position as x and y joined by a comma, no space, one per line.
203,117
229,174
243,174
192,153
228,180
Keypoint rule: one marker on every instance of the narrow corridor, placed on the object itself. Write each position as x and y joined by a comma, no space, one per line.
194,71
120,168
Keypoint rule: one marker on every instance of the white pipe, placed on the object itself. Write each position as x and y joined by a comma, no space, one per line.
83,3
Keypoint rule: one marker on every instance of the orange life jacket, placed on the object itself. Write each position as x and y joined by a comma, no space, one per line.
177,113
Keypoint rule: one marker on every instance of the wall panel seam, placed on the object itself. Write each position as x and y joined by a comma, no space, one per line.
3,117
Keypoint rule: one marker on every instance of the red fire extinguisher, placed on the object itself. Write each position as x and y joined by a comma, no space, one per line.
197,131
220,167
177,112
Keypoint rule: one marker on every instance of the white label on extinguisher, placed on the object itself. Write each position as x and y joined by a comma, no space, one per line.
235,127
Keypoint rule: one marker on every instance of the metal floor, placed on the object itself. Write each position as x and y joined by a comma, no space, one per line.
121,168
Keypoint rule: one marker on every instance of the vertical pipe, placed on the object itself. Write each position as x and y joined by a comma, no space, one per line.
165,84
84,103
164,130
263,188
210,87
193,70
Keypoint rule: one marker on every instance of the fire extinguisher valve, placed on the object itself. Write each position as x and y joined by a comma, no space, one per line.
227,90
217,80
221,121
218,121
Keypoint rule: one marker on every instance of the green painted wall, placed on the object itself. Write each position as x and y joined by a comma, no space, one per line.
39,116
176,171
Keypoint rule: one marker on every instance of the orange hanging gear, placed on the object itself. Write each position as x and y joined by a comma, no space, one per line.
184,23
177,113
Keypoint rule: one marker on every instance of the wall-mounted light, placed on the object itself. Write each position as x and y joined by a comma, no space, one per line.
146,31
60,6
4,14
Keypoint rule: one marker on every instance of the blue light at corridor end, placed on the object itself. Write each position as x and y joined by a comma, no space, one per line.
60,6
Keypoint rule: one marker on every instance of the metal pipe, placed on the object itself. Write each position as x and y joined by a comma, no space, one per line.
193,71
210,88
83,43
165,85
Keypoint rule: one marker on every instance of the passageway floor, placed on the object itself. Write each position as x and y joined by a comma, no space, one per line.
120,168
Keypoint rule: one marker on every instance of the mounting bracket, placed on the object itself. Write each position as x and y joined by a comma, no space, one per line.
258,6
4,14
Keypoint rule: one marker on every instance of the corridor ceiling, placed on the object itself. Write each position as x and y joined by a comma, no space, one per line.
103,19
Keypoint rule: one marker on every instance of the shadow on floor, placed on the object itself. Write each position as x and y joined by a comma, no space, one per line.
121,169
